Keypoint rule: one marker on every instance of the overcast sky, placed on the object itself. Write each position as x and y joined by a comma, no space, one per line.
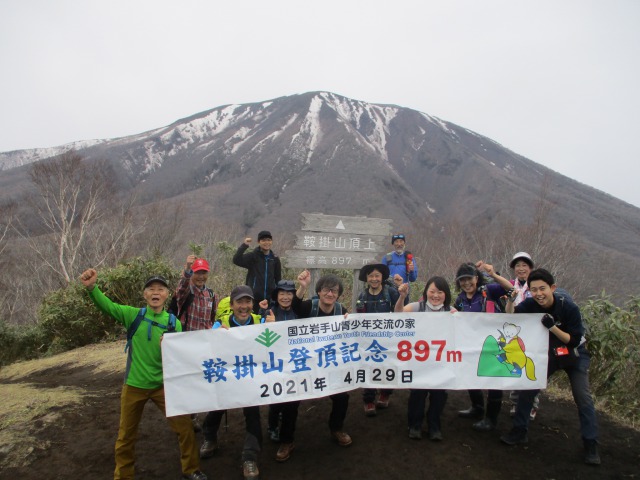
554,80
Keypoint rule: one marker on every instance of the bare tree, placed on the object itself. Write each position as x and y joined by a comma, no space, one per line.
7,214
80,219
163,229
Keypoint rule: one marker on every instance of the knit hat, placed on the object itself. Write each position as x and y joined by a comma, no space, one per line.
397,236
264,234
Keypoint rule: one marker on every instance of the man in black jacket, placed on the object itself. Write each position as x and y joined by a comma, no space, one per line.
567,351
263,266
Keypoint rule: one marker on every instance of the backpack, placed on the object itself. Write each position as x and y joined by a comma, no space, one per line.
175,309
386,297
315,308
170,327
483,291
131,331
389,257
562,294
224,308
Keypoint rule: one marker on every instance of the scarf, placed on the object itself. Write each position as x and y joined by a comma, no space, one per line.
523,291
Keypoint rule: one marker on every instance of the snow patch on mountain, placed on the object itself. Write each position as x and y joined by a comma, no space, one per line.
275,134
153,159
18,158
309,134
441,124
357,114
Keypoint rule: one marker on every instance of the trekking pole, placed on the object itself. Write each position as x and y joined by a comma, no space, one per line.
226,421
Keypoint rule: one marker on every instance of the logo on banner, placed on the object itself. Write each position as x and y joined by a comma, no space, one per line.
268,338
504,355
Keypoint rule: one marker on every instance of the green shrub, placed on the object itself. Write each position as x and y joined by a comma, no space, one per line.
69,319
614,343
20,343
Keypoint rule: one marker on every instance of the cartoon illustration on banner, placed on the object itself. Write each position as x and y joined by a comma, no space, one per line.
504,356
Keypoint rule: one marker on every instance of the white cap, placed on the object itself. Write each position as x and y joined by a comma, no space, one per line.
521,256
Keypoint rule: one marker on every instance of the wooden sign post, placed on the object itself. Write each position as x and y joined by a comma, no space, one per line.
333,241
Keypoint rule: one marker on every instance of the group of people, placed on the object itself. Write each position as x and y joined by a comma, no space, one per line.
266,297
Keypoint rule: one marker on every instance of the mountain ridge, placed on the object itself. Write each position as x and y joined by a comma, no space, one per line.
264,163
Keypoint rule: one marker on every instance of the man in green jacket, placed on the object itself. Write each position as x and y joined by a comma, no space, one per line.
143,376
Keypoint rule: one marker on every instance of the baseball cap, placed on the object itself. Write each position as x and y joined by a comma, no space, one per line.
158,279
465,271
284,285
241,291
200,264
264,234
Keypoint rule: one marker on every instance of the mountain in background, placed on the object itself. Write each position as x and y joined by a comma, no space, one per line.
260,165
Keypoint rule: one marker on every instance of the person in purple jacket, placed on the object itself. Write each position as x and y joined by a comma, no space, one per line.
475,296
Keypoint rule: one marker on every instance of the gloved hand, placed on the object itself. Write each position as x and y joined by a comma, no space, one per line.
548,320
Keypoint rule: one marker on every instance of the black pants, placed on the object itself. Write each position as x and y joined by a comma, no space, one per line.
494,402
253,437
338,411
417,403
289,412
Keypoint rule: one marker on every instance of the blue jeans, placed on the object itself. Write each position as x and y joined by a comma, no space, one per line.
579,379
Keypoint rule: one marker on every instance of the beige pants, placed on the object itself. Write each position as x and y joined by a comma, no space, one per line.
132,401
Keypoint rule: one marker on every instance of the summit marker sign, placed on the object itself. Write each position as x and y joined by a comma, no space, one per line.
331,241
337,242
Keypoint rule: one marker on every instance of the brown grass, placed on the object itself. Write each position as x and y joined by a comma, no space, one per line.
22,403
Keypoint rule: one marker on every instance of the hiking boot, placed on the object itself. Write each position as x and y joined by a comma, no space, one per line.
197,475
415,433
284,452
474,411
343,438
591,456
515,436
208,448
370,409
383,400
533,413
484,425
250,470
435,435
274,434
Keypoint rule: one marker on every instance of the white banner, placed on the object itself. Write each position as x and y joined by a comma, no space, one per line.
301,359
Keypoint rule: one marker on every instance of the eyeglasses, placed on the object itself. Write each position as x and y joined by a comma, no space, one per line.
334,290
397,237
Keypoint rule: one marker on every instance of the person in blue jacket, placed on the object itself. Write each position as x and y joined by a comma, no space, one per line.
401,263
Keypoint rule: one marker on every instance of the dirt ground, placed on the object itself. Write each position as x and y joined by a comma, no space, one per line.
76,442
